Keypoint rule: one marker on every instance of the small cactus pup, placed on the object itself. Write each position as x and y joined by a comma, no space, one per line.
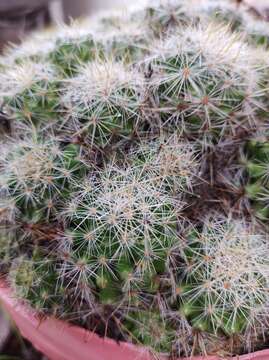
103,102
118,208
161,17
205,87
37,171
71,50
123,225
29,91
223,283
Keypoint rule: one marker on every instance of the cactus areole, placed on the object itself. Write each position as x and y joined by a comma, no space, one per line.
134,177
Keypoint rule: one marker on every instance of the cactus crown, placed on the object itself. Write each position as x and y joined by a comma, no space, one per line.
134,158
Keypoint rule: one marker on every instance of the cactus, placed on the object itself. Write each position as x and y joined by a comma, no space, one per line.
199,89
134,176
256,161
103,101
220,290
29,90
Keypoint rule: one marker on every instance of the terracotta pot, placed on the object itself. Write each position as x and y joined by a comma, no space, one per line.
61,341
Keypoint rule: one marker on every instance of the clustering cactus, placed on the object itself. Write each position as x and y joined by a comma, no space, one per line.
134,160
225,277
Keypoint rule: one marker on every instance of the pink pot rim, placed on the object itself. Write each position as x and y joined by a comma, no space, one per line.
59,340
